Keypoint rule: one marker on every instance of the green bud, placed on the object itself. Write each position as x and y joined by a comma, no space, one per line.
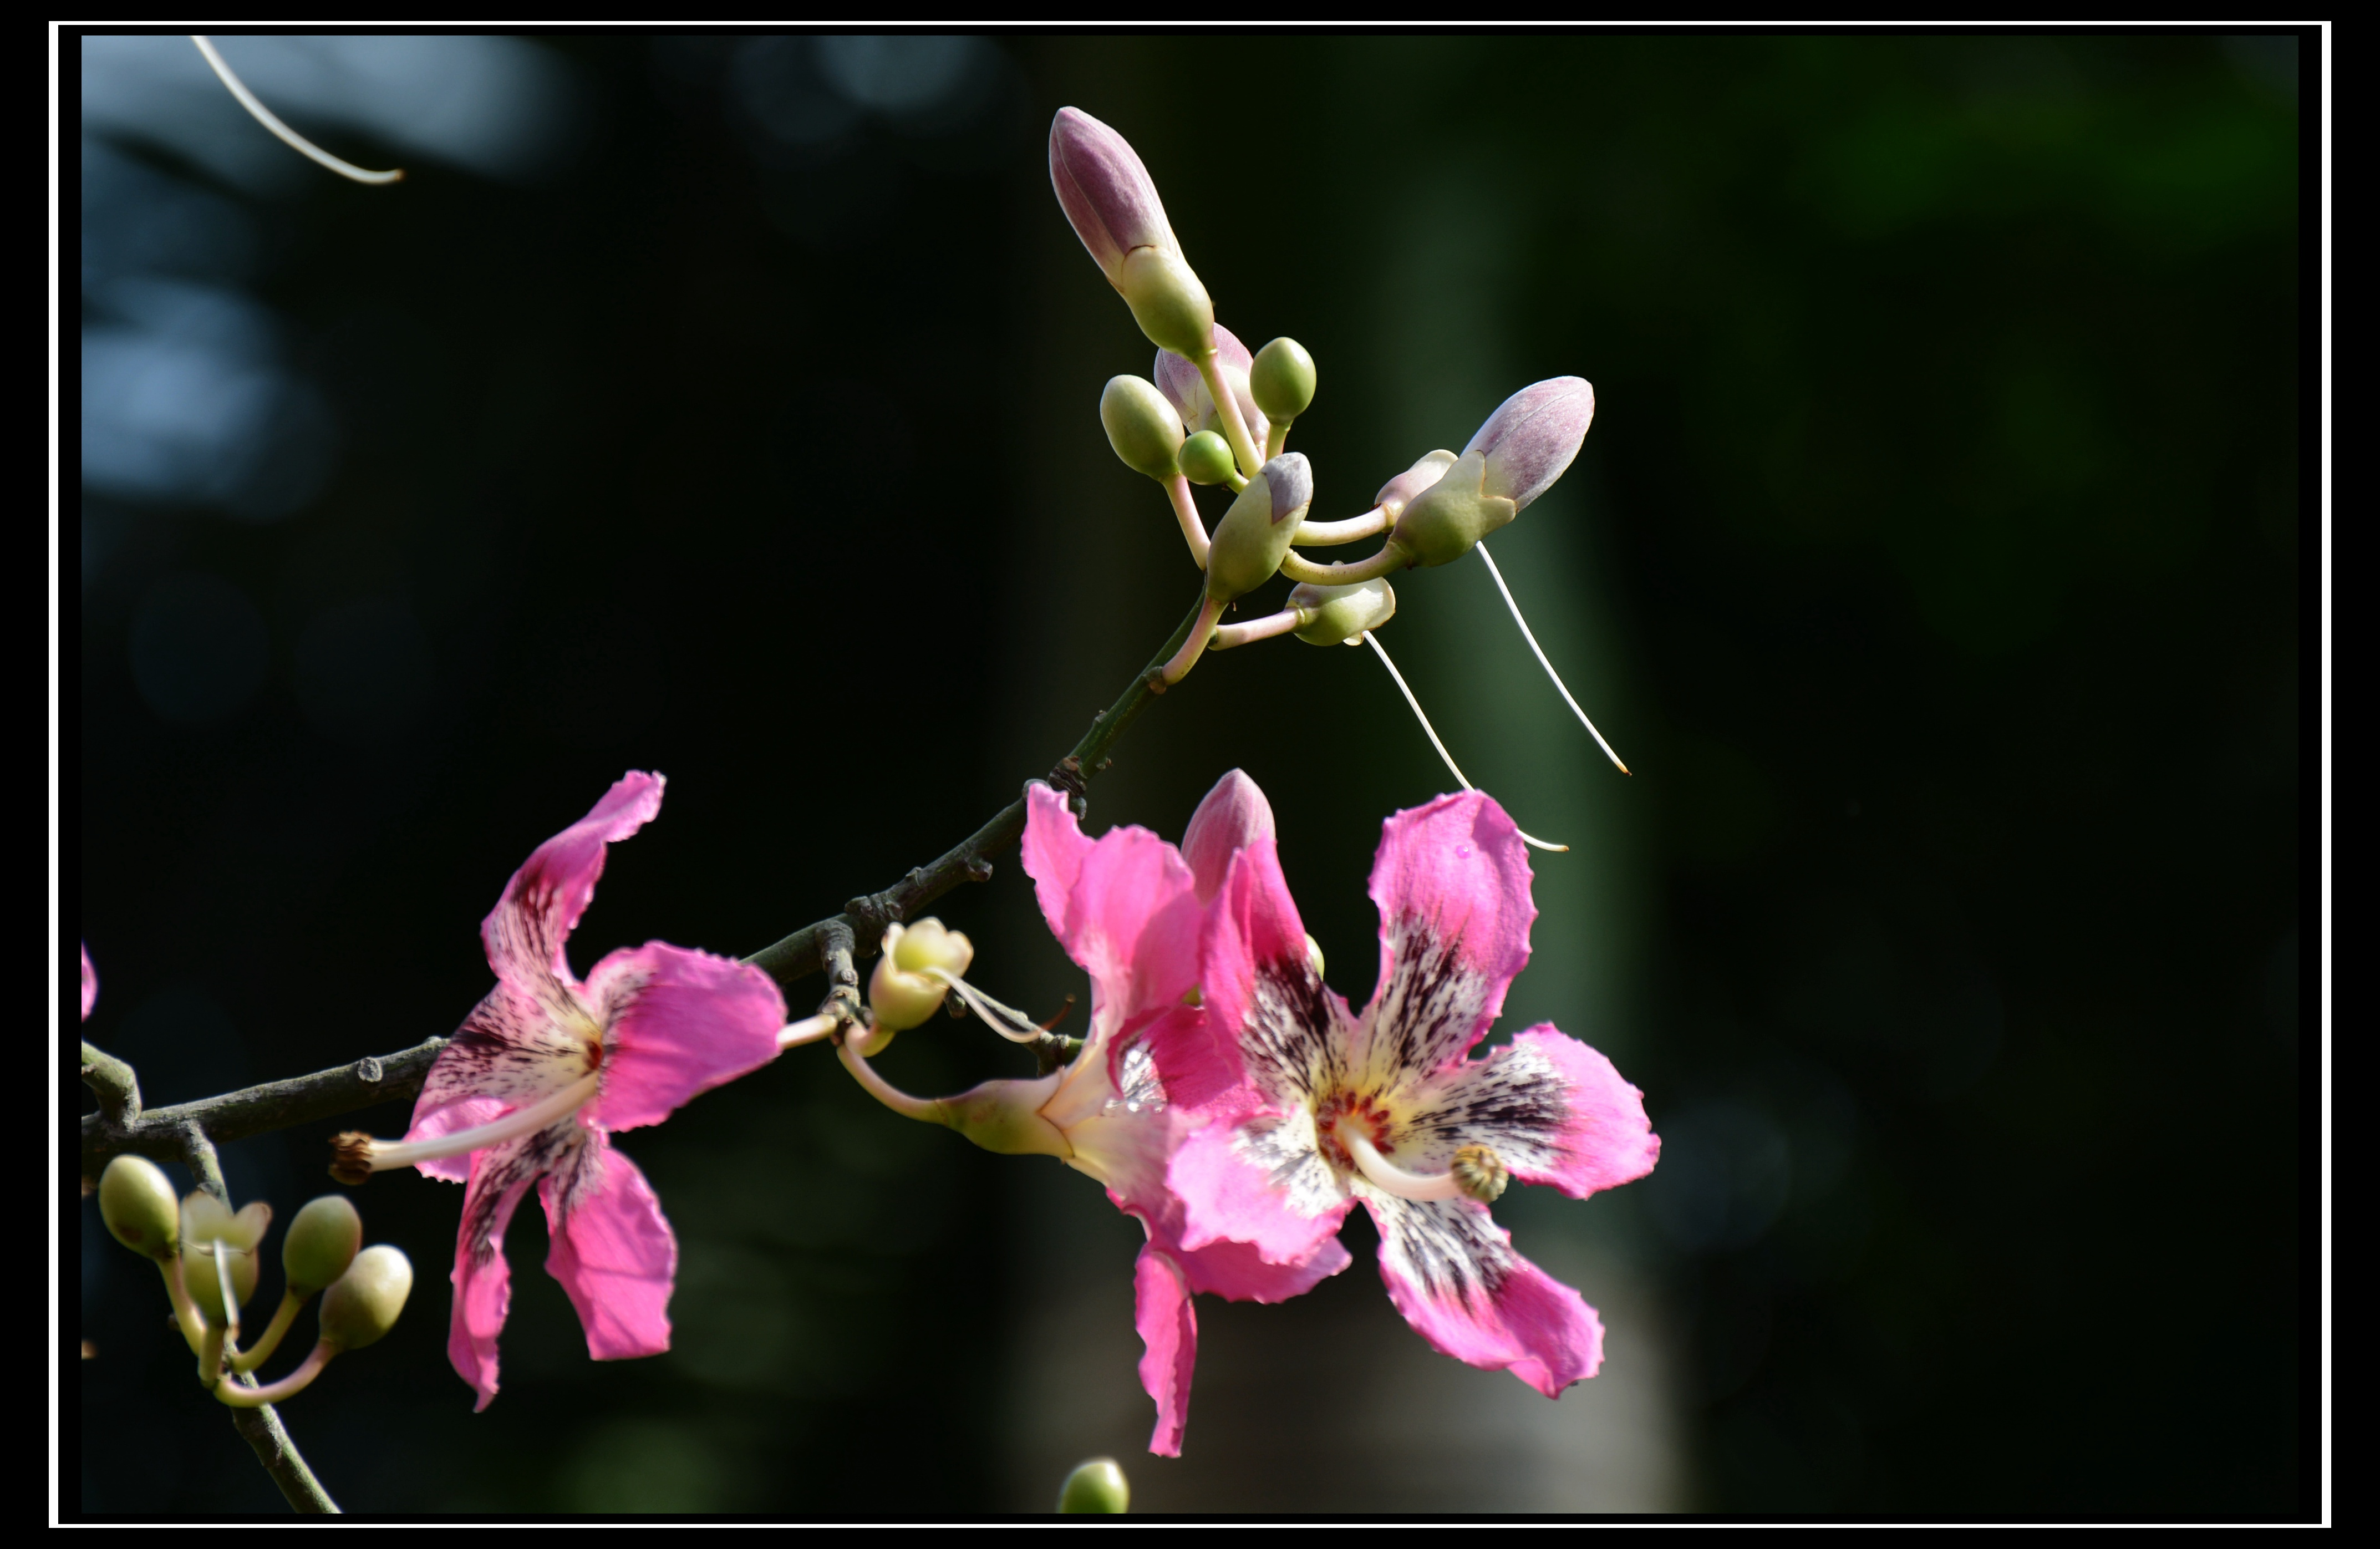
1167,301
1255,533
1142,426
1445,520
1095,1488
1005,1117
208,1229
1205,458
364,1303
1341,614
138,1204
1282,379
321,1244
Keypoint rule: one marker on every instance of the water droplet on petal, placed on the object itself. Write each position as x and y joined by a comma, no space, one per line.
1462,852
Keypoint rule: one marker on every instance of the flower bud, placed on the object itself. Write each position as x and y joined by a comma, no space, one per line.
1532,437
1282,379
209,1230
1207,459
1399,492
1142,427
1182,382
1108,195
364,1303
1443,521
138,1204
1341,614
1095,1488
1255,533
321,1244
1005,1117
900,993
1233,816
1172,307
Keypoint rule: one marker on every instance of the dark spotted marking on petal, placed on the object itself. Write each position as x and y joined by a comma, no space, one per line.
1425,1014
1291,1035
506,1048
1286,1148
503,1173
1516,1103
1447,1248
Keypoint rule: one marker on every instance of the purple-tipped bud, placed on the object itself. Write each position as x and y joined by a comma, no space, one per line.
1234,815
1399,492
1532,437
1180,381
1290,477
1106,193
1255,533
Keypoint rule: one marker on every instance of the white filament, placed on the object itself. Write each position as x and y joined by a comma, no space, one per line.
282,131
386,1154
1395,1180
1525,635
1382,652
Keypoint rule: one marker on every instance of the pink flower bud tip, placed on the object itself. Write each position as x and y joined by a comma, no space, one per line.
1107,193
1532,437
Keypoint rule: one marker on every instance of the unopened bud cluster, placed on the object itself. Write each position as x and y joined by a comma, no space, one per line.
1210,413
210,1256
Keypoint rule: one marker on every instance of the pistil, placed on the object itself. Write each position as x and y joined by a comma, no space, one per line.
356,1156
1477,1174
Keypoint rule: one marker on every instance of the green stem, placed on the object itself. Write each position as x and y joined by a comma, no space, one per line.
1389,560
1227,408
270,1340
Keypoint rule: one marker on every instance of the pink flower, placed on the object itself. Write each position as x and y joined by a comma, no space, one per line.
90,985
1128,908
543,1070
1327,1107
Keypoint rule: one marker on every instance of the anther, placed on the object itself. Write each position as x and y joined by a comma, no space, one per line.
1481,1174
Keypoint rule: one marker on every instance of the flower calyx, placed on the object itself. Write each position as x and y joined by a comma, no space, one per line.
911,979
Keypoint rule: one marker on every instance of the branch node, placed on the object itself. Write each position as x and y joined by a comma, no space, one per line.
368,1071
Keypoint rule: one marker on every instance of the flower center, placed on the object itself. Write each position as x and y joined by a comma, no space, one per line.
1350,1128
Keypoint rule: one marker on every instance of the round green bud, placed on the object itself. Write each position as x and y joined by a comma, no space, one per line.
321,1244
1095,1488
1341,614
1255,533
900,992
1445,520
1205,458
364,1303
1144,429
1167,302
1283,380
138,1204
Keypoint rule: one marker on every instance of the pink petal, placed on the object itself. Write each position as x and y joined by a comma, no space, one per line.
517,1045
542,902
1254,940
1451,881
1185,388
1256,1180
1122,908
1451,1271
1234,815
1552,1109
464,1113
90,985
611,1250
676,1022
500,1176
1237,1272
1168,1328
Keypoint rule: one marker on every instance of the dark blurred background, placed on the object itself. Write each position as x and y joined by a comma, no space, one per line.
726,406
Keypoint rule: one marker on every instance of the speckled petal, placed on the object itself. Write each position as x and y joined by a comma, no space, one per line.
1553,1110
1452,884
612,1248
500,1176
540,905
1451,1271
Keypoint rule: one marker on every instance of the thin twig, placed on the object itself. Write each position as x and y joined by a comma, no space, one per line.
260,1427
158,1133
799,954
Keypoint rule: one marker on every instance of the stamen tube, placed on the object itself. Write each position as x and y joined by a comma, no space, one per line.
1387,1175
356,1156
282,131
